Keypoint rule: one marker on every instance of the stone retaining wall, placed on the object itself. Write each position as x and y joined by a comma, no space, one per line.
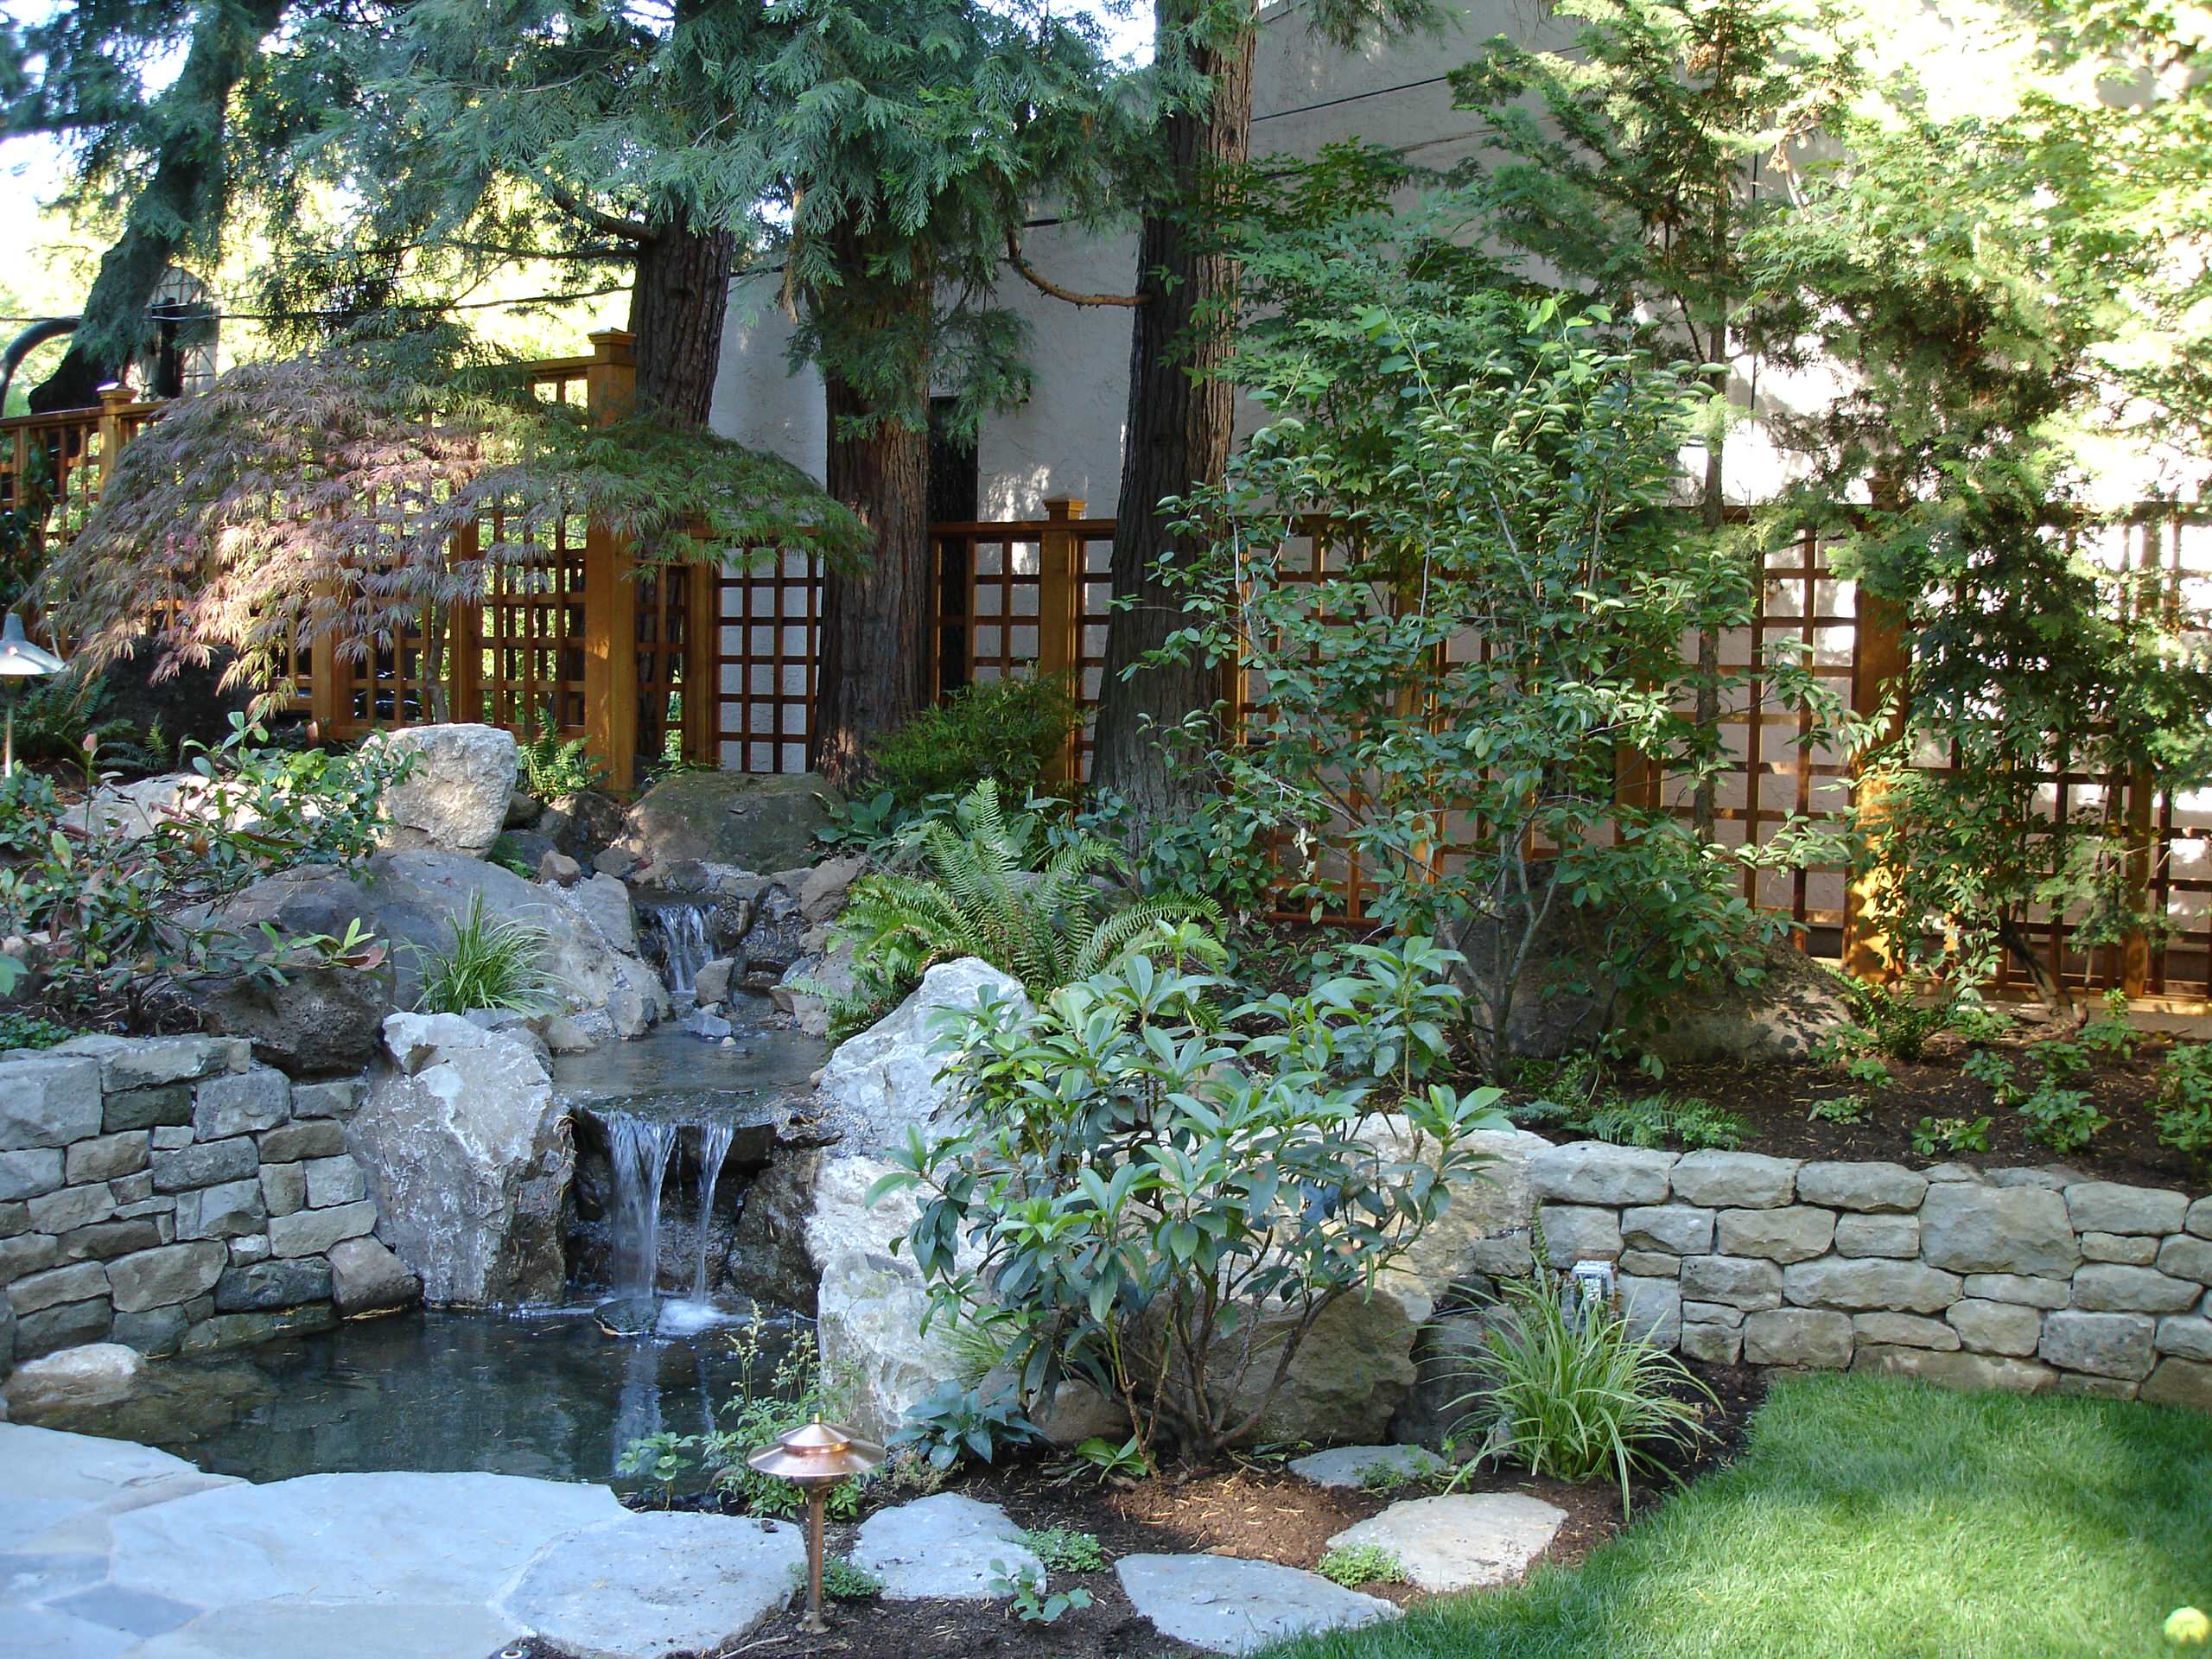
169,1194
2021,1278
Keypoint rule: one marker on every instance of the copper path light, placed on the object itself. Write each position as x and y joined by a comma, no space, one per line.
20,659
814,1456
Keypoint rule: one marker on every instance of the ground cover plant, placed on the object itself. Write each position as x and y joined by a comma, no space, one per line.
1868,1515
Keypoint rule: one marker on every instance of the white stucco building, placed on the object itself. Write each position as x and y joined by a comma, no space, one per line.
1067,440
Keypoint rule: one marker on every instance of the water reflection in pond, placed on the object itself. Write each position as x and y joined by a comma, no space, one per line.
542,1393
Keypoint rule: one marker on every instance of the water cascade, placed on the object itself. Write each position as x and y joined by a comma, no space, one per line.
678,934
640,1149
714,1147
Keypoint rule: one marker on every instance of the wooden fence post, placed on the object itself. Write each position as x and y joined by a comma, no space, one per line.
702,635
115,397
1881,664
1059,614
610,594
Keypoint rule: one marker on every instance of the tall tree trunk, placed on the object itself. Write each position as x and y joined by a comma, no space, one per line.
679,300
874,672
1180,420
187,195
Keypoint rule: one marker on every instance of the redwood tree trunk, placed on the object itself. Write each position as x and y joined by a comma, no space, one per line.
187,195
678,299
1180,416
874,673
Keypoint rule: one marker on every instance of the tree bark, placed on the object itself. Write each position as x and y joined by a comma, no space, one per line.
188,194
1181,417
874,672
679,300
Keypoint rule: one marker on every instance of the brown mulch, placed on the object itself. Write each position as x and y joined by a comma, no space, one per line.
1777,1099
1253,1508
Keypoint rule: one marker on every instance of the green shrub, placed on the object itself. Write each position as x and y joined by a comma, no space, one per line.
1003,732
20,1029
1890,1018
842,1581
1570,1391
1357,1564
490,963
1063,1549
955,1422
1142,1178
999,887
2183,1107
125,916
2065,1120
777,1391
1581,1102
1933,1136
551,769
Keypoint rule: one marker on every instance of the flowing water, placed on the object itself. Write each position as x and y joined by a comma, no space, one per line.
641,1148
714,1147
678,934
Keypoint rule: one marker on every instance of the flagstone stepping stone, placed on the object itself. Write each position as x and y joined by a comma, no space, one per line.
1475,1540
1351,1465
61,1490
943,1545
384,1540
649,1585
1230,1605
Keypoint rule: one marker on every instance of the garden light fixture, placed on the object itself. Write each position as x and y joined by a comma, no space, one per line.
814,1456
20,659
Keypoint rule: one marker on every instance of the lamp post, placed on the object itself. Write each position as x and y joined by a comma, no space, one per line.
20,659
814,1456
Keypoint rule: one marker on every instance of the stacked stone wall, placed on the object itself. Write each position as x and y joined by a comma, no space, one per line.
170,1194
2024,1279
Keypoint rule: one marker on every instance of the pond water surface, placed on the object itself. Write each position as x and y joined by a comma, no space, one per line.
542,1393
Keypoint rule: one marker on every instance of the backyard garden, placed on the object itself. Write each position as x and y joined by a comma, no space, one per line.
1561,1004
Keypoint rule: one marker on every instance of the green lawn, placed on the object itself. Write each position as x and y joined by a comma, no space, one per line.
1874,1519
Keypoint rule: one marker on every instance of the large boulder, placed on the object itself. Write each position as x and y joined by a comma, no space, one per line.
1567,997
454,800
149,689
317,1022
131,812
1790,1004
468,1157
891,1077
755,821
412,899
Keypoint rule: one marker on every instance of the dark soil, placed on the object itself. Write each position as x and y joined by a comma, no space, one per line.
1778,1100
1254,1508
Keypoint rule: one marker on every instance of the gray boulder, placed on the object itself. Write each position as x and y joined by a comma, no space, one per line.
455,798
98,1374
1789,1007
890,1077
469,1158
366,1277
412,900
319,1022
756,822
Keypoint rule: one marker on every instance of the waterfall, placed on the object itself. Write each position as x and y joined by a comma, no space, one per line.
640,1149
715,1140
680,932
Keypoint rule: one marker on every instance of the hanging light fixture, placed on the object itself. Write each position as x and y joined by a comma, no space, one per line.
20,659
814,1456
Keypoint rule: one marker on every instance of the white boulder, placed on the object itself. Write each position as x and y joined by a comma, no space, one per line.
455,797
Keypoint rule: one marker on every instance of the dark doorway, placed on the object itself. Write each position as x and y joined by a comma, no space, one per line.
955,488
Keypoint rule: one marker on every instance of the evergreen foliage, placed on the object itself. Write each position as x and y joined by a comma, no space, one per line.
1001,886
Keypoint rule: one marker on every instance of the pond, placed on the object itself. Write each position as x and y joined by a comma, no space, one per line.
540,1393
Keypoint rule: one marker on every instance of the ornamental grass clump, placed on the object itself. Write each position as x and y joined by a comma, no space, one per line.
490,963
1572,1392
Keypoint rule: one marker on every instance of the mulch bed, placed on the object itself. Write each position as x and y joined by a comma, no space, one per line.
1776,1100
1254,1508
